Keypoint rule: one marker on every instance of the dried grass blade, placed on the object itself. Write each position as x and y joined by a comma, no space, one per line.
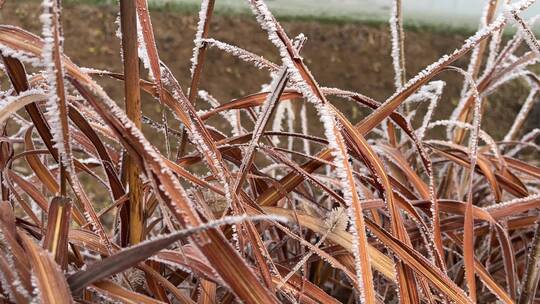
258,61
420,264
269,106
56,102
37,166
10,285
119,293
197,61
130,256
207,293
166,284
408,291
20,265
116,186
14,104
145,23
379,261
150,56
398,47
17,75
51,282
486,278
29,189
205,15
56,235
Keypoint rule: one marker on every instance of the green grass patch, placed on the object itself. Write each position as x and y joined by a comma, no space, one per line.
284,15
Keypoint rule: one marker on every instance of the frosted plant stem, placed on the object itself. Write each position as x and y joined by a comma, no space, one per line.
531,99
123,259
128,27
529,137
54,73
527,33
478,52
468,235
398,61
272,99
304,122
398,37
197,61
335,219
258,61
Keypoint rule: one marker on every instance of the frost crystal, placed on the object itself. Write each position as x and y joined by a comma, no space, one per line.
258,61
143,54
526,30
283,110
199,35
51,44
303,121
432,92
531,99
396,31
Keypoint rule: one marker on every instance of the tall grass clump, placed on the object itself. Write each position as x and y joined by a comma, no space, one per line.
401,206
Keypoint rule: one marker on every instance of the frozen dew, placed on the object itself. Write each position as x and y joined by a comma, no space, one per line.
396,31
526,108
258,61
143,54
284,111
199,35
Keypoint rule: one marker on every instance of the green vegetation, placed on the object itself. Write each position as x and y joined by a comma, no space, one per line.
190,7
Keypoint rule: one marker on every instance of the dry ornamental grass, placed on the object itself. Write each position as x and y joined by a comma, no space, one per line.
381,210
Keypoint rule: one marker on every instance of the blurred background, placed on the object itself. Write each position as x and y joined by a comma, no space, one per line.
348,46
453,13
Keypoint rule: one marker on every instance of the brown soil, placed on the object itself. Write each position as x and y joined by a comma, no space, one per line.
348,55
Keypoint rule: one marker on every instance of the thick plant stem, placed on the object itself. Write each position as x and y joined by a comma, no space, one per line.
128,24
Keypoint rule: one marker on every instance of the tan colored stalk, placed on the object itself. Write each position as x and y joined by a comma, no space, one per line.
128,24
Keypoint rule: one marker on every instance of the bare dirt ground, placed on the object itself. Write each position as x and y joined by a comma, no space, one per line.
347,55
